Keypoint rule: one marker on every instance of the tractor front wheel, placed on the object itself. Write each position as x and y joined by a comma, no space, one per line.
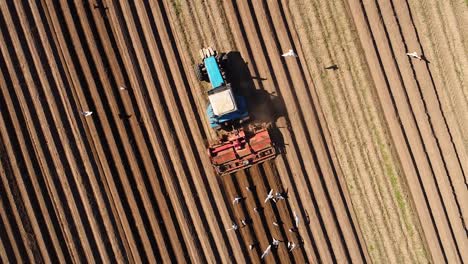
198,72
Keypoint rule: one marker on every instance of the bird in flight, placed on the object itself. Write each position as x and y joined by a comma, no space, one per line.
236,200
275,242
291,246
270,196
233,227
414,55
290,53
266,252
279,196
86,113
296,219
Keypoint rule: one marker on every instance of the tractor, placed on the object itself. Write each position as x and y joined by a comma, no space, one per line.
241,143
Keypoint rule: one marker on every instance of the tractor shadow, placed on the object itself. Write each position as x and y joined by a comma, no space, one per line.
264,107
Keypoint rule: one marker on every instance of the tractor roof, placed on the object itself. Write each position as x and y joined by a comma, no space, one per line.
222,100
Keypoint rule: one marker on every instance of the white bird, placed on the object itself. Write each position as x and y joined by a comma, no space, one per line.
290,53
296,219
266,252
121,88
86,113
275,242
270,196
293,246
414,55
279,196
236,200
244,222
233,227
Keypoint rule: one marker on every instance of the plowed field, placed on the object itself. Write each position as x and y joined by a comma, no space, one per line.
373,154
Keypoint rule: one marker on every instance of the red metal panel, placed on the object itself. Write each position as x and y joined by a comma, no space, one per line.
239,151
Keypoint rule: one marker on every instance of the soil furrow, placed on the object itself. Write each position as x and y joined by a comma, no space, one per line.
73,79
247,235
433,107
104,106
327,165
166,160
274,50
39,141
268,216
258,72
155,194
290,232
74,168
174,122
179,119
138,152
11,242
110,232
16,232
253,199
117,166
267,64
431,143
331,150
371,143
207,179
361,118
424,183
446,66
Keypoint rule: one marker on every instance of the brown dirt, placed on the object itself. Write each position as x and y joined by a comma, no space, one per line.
426,147
353,116
374,154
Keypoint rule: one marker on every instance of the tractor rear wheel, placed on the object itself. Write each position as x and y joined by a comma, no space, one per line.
223,60
223,63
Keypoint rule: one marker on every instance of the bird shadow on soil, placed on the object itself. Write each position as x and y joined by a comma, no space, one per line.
264,107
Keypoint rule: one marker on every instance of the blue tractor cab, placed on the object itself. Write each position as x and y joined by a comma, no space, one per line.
225,107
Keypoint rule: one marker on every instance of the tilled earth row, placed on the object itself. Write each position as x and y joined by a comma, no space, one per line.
372,159
358,130
260,32
417,107
131,182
